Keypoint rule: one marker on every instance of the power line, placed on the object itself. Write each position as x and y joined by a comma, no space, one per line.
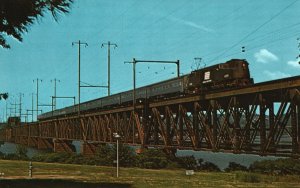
255,30
37,95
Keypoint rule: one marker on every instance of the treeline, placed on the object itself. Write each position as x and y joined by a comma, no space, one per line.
156,159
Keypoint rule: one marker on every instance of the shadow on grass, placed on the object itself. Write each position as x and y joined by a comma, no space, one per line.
46,183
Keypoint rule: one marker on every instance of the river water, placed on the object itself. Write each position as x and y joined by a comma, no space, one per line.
220,159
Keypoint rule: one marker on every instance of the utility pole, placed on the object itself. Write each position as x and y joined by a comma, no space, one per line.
37,96
298,57
134,62
54,102
79,45
20,109
108,62
32,104
10,109
6,108
14,108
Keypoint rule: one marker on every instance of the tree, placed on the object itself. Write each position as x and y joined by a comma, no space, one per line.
126,155
3,96
235,167
188,162
104,155
21,151
152,158
17,15
208,166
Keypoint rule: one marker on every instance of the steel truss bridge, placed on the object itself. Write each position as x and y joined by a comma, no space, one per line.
261,119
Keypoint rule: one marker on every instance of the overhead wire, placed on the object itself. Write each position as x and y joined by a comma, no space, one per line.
221,19
109,23
255,30
135,20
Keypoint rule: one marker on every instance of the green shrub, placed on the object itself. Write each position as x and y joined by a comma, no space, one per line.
21,152
127,156
208,166
248,177
75,159
11,156
286,166
39,157
57,157
152,158
187,162
103,155
235,167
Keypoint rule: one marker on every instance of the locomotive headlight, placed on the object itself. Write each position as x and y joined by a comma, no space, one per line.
226,76
244,66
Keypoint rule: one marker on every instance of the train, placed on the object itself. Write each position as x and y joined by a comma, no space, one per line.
231,74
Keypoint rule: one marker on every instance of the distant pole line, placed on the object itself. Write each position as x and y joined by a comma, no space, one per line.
32,105
79,43
37,96
54,102
108,63
20,104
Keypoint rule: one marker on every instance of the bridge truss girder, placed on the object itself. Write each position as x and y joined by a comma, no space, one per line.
264,123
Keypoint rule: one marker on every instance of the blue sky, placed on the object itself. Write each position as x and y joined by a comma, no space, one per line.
153,30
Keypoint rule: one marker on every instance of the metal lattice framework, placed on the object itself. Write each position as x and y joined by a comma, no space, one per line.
262,119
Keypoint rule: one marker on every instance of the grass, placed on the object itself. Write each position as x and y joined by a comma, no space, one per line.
143,177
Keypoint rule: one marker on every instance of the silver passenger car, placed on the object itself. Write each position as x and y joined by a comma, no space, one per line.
172,86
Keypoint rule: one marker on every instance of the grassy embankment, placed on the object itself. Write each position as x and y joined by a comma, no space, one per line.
144,177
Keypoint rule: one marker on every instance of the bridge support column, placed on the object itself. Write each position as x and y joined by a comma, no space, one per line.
43,143
63,146
262,124
8,135
89,149
23,140
17,140
298,126
214,124
271,123
294,128
236,125
196,124
33,142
